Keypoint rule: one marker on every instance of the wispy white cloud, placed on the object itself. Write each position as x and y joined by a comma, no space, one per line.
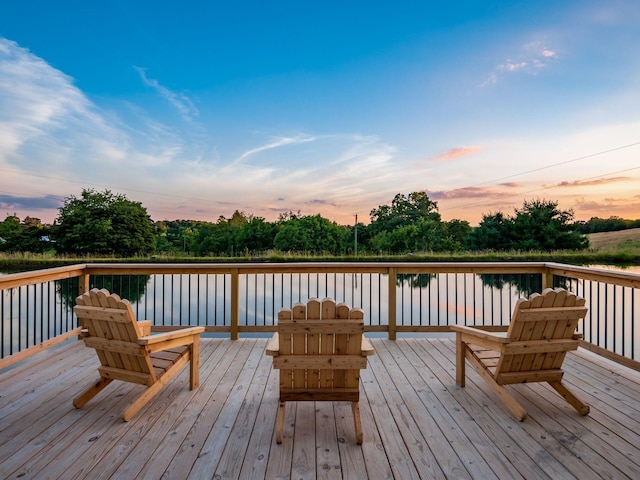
530,58
180,101
29,108
276,143
49,126
319,176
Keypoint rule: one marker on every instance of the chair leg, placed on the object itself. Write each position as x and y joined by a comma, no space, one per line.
355,408
509,401
141,401
194,364
581,407
460,360
152,390
91,392
280,422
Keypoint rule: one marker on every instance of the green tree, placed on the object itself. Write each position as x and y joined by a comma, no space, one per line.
9,228
538,225
311,234
493,233
456,234
403,211
256,235
177,236
103,223
596,224
26,236
411,224
541,225
215,239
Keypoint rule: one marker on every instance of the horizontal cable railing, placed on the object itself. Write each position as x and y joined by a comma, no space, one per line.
36,307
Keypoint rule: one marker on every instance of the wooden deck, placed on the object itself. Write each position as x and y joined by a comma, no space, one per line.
417,423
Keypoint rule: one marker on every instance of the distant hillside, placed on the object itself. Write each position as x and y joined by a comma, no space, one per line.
620,241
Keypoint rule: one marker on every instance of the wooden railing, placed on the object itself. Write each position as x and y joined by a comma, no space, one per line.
237,299
611,327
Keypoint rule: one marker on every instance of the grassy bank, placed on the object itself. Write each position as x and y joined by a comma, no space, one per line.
623,241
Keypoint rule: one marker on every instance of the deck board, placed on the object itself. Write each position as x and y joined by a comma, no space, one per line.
417,422
591,446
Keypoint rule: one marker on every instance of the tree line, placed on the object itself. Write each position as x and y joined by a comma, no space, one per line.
104,223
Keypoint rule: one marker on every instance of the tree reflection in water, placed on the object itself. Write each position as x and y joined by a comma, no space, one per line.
131,287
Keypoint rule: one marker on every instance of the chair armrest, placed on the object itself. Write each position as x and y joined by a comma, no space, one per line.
166,336
273,346
145,327
482,334
366,348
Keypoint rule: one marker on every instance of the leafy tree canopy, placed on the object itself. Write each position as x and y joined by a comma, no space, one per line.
26,236
9,227
106,223
403,211
611,224
103,223
539,225
412,223
313,234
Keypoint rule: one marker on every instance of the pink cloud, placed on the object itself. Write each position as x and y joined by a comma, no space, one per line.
457,152
622,207
511,184
599,181
321,202
467,192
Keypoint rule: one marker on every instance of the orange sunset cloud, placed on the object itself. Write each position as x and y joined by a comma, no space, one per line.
457,152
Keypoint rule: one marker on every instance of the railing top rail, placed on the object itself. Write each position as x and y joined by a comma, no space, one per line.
589,273
628,279
37,276
322,267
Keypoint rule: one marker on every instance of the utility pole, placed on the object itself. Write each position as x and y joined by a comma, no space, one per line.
355,237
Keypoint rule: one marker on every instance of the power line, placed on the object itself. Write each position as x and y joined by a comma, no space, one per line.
602,176
557,164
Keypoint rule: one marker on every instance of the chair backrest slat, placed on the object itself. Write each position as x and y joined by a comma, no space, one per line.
554,315
106,316
319,329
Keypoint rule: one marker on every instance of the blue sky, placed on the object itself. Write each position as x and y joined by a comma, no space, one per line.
197,109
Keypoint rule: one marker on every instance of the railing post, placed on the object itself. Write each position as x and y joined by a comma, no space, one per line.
392,303
235,303
83,283
547,279
83,286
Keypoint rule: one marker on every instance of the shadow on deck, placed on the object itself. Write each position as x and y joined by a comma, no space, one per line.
417,423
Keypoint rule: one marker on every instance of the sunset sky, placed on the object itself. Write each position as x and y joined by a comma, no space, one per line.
196,109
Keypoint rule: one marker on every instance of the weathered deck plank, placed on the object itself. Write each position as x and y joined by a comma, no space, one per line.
520,448
544,457
417,422
586,440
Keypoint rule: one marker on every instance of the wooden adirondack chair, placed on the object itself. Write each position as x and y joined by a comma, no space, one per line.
320,348
128,352
541,332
